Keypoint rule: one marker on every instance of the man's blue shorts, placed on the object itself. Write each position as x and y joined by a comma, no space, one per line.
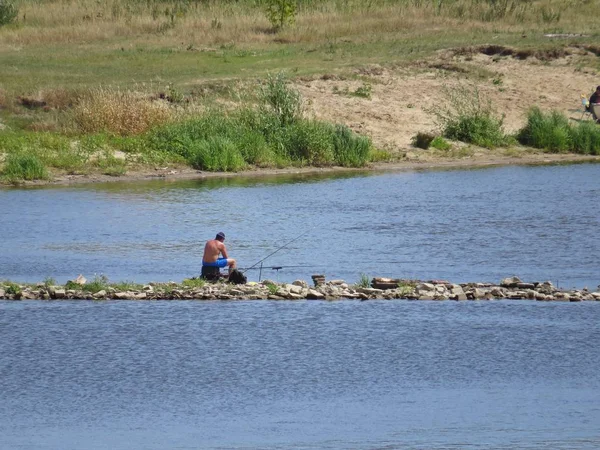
221,262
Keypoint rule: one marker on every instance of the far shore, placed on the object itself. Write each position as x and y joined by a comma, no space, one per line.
419,161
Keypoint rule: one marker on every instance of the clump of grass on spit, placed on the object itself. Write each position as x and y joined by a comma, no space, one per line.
192,283
363,281
99,283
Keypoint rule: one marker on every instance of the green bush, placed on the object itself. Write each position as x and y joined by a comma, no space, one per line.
349,149
554,133
253,148
278,98
8,12
440,143
310,142
20,167
480,130
469,117
586,138
216,154
550,132
422,140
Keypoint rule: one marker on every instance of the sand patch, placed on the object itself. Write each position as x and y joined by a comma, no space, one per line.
400,97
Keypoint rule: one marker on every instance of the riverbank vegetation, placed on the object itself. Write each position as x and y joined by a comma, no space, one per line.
91,87
471,118
272,130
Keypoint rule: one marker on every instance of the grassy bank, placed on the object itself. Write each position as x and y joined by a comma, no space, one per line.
109,131
112,87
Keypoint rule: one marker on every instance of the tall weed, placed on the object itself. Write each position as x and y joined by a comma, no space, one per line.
282,100
350,150
469,117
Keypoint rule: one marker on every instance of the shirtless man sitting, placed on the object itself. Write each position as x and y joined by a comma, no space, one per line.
215,255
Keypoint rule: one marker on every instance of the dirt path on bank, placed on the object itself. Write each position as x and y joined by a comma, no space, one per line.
397,110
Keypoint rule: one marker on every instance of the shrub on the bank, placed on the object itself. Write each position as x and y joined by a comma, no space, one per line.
586,138
20,167
216,154
279,98
422,140
8,12
310,142
350,149
553,132
440,143
228,141
469,117
550,132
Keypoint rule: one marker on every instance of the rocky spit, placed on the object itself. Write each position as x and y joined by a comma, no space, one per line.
380,288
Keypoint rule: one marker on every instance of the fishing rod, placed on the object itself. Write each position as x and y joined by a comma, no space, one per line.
243,269
272,253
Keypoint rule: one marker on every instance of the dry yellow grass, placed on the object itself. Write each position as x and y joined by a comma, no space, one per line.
120,112
85,21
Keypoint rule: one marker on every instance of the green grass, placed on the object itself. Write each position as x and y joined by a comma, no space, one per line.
99,283
554,133
364,281
192,283
20,167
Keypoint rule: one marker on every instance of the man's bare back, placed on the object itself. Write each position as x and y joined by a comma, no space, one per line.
212,250
215,254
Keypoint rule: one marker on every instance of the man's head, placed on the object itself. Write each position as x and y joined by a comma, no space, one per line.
220,236
598,89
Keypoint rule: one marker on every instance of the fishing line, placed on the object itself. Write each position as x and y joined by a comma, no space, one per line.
272,253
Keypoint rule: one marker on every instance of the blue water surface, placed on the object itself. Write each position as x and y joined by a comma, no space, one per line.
539,223
308,374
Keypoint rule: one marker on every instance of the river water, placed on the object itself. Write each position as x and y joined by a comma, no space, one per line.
309,374
299,375
539,223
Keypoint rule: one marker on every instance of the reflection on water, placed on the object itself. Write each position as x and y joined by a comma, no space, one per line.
539,223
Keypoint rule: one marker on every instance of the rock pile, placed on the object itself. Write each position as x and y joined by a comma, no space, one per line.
380,288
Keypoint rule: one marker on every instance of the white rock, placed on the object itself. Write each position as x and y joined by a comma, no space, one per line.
294,289
314,295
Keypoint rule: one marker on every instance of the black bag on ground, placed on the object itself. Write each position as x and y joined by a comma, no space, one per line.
237,277
210,273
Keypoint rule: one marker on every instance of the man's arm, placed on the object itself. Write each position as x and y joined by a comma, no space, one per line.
223,250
